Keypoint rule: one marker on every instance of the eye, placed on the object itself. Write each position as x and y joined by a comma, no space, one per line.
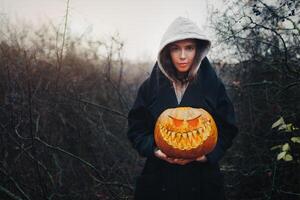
174,48
177,122
194,122
190,47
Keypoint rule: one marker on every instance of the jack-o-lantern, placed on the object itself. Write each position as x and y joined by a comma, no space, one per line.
185,132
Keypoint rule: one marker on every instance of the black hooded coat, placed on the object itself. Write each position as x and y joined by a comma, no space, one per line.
195,180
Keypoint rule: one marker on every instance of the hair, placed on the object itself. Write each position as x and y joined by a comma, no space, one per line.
169,67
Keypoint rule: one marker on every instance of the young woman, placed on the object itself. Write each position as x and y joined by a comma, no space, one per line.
181,77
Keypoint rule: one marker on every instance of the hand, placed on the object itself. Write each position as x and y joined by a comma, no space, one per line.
186,161
180,161
161,155
201,159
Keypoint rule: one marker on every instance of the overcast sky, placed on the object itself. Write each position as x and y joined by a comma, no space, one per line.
140,23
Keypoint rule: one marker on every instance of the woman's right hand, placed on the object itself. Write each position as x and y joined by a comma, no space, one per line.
161,155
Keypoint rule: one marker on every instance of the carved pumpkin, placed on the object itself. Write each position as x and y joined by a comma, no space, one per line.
185,132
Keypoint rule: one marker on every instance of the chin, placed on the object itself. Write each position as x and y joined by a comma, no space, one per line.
182,70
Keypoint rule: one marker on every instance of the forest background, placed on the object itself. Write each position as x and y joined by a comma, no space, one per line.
64,102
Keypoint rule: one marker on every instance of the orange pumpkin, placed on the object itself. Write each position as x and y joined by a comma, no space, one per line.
185,132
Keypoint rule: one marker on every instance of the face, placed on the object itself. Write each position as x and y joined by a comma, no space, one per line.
182,54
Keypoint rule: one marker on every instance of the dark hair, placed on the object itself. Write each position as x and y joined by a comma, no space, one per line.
169,67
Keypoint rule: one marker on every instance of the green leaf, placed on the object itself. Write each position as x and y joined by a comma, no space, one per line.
288,157
289,128
282,127
286,147
276,147
296,139
279,122
281,155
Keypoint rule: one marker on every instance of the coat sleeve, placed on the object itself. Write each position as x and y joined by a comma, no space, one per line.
225,120
139,131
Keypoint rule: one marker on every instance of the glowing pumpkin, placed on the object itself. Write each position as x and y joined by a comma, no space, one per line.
185,132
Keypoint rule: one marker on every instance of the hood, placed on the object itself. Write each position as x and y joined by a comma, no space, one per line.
182,28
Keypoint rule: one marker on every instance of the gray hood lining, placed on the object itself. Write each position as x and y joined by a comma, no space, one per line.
181,29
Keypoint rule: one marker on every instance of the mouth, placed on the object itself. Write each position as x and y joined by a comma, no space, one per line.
182,64
185,140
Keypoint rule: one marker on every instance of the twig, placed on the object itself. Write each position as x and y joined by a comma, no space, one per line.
115,183
31,156
291,193
287,87
274,13
10,194
98,106
69,154
282,40
60,55
44,188
16,184
264,82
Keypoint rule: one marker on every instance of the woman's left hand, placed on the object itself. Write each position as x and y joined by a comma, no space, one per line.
201,159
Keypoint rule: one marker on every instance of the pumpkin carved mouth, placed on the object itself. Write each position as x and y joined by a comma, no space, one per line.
186,140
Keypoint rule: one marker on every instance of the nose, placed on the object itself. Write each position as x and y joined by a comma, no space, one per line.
182,54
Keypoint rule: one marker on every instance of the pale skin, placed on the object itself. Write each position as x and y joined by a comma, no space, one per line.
158,153
182,54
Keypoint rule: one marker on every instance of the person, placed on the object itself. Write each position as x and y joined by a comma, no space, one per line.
182,76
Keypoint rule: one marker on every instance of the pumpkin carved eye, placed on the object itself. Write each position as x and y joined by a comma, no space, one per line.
194,122
176,122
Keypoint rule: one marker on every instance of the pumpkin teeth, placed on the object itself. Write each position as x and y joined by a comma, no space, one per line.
167,135
208,128
200,130
190,136
180,144
205,134
185,140
178,137
173,135
194,133
163,131
175,140
188,144
201,138
194,143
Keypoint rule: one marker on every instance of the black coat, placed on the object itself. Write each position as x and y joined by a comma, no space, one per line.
196,180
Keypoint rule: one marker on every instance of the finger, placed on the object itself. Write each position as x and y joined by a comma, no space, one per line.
160,154
199,158
170,161
183,162
163,154
202,159
186,162
179,161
